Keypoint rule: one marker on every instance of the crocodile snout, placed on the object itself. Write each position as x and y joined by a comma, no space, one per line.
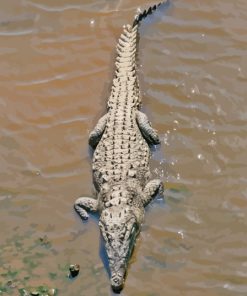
117,282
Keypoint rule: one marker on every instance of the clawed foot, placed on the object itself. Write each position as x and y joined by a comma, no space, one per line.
152,188
84,204
150,134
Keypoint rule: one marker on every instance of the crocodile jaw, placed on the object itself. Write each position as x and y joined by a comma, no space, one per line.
119,263
117,278
120,228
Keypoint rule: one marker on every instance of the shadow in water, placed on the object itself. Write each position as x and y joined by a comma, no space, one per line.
103,255
158,13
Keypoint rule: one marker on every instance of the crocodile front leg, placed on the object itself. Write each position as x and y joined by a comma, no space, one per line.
98,131
84,204
148,132
152,188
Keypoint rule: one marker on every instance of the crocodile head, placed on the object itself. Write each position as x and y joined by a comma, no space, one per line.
119,227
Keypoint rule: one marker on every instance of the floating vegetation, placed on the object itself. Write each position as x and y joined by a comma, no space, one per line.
44,242
19,275
39,291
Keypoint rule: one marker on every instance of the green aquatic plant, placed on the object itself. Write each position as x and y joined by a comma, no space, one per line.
29,252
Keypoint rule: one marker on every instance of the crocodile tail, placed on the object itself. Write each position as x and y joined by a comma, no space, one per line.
145,13
125,83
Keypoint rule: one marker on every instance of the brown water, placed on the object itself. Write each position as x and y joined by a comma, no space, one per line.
56,65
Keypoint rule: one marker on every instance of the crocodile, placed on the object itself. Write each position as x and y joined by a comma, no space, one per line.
121,141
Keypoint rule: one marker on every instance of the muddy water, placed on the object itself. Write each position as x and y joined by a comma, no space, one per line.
56,65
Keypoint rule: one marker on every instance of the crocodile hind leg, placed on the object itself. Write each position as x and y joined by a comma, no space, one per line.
148,132
84,204
98,131
152,188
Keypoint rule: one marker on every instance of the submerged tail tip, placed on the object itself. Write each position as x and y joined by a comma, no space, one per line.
143,14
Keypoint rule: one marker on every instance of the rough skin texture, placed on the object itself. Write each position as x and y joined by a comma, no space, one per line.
121,171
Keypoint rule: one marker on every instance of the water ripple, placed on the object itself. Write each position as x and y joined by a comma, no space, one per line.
55,79
54,8
61,77
17,33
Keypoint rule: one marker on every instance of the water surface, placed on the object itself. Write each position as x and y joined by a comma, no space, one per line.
56,66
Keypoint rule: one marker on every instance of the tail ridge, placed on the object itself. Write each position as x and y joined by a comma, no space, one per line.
125,82
145,13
